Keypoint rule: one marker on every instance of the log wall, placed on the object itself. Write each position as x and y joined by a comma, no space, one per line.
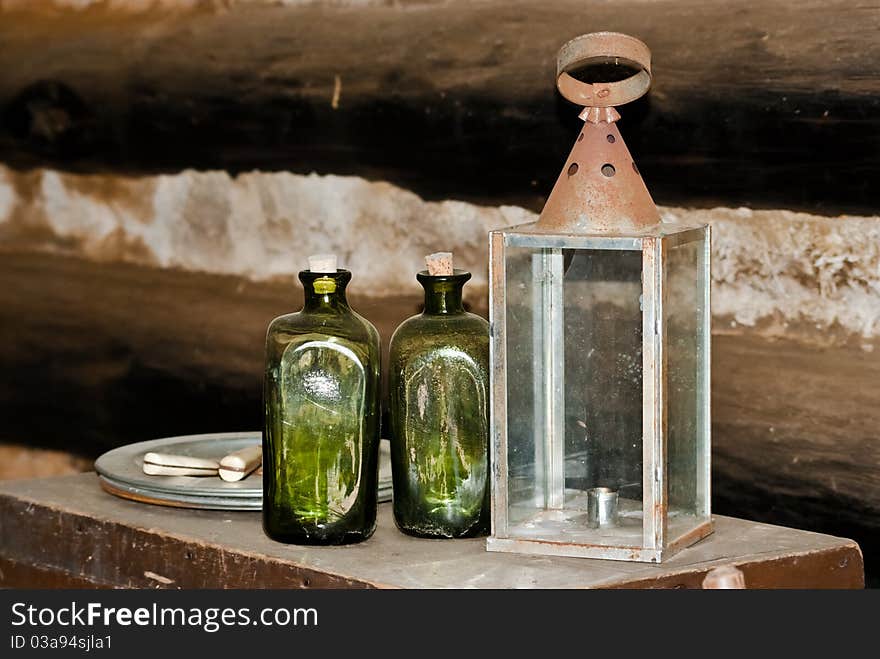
771,104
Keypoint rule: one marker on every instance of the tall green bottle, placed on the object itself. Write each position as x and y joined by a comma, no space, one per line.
438,386
321,417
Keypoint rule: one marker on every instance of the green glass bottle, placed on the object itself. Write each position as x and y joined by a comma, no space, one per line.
321,418
438,386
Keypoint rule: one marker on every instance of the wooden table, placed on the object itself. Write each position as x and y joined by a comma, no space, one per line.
67,532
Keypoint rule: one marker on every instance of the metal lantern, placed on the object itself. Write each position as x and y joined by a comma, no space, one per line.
600,349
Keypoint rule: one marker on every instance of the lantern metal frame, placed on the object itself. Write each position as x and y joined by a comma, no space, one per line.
591,209
653,245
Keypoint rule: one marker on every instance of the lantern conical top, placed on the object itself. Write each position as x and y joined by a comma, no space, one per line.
600,189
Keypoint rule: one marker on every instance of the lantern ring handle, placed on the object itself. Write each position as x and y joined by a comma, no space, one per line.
604,46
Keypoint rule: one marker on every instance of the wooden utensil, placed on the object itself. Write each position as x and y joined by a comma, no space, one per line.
239,464
167,464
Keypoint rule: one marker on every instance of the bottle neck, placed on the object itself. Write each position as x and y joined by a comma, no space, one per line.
325,291
443,292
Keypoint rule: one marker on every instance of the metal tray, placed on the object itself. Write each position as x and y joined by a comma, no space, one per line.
120,472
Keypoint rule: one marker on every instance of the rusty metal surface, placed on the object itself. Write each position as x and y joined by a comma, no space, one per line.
498,388
688,538
599,196
595,115
654,490
603,46
600,188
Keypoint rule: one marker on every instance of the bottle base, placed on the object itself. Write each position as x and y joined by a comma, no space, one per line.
435,533
319,539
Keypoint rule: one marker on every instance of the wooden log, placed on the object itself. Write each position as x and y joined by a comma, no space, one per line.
104,354
753,104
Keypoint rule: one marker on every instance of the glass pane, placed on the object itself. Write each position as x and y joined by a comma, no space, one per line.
686,386
603,388
523,454
574,381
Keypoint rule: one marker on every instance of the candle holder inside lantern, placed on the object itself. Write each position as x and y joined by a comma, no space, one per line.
600,348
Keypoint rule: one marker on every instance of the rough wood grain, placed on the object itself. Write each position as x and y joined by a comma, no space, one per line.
753,104
115,542
157,352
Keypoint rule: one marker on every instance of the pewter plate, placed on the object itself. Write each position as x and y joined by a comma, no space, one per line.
120,472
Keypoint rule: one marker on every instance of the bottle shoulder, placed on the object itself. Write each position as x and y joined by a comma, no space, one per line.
367,325
347,329
459,322
424,333
348,324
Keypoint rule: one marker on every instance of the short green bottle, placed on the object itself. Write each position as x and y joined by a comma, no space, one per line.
321,417
438,411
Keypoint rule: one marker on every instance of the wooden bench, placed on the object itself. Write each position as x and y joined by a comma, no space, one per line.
67,532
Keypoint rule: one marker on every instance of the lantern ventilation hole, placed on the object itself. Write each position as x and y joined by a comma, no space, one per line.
611,139
580,137
608,170
573,168
636,168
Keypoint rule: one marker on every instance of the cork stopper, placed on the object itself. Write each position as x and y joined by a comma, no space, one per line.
439,263
322,263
